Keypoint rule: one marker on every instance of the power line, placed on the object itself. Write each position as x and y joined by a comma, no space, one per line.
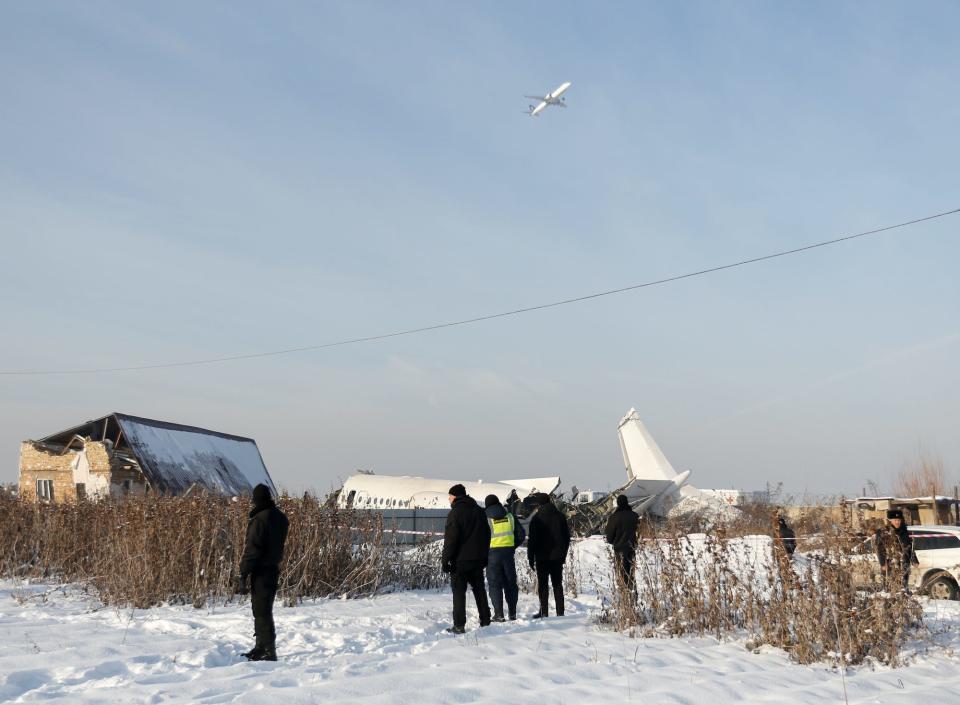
478,319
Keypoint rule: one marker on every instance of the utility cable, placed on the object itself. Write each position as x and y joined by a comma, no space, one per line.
479,319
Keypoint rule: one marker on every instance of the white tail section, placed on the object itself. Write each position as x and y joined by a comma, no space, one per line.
641,454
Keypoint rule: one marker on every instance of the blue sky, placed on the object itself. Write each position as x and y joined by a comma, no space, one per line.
191,180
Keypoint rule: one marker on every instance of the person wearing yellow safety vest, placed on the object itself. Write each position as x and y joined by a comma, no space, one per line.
506,534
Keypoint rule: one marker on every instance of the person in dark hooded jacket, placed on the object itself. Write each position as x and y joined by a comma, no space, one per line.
895,549
786,538
547,547
622,535
262,553
506,534
466,544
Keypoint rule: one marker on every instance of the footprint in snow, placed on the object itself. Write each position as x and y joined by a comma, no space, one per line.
19,683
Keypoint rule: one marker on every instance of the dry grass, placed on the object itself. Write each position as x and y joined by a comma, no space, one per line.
732,581
148,550
924,476
729,583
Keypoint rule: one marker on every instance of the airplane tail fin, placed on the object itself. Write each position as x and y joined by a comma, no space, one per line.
642,456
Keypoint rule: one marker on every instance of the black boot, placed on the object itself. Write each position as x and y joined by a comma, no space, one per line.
266,654
255,654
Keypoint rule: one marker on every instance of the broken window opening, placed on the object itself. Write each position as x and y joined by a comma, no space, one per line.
45,490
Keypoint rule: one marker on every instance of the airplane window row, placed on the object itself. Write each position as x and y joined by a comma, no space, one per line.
382,502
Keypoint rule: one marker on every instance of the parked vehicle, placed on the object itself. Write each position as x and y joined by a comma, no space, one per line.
937,573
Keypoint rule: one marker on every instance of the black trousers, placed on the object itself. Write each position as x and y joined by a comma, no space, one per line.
502,581
625,562
554,571
459,580
263,590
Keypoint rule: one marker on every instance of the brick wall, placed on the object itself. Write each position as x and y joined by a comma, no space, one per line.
98,457
38,463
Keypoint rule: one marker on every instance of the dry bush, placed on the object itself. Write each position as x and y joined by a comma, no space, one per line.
722,586
924,476
146,550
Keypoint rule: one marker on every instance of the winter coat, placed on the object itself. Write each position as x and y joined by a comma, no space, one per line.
498,511
786,537
266,534
622,530
894,546
549,537
466,537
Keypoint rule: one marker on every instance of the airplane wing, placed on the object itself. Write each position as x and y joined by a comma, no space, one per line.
540,484
535,97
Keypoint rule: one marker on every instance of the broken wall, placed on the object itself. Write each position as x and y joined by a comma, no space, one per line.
95,471
40,463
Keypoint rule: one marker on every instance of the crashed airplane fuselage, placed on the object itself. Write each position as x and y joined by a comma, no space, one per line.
652,483
367,491
652,486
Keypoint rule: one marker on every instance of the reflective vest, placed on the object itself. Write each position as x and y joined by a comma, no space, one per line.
501,532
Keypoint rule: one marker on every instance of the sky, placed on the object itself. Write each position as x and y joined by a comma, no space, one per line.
187,181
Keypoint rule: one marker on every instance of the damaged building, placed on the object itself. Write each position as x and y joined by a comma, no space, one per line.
118,455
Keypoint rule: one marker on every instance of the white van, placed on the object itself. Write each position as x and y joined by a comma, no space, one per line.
937,573
938,551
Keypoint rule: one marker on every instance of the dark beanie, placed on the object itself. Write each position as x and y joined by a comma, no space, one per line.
458,490
491,500
623,502
542,498
261,495
894,514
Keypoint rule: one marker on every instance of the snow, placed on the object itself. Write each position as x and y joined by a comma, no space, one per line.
59,645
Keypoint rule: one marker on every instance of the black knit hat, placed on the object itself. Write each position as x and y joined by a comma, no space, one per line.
542,498
458,490
895,514
623,502
261,495
491,500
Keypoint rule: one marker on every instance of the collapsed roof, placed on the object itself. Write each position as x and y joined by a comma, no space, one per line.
175,458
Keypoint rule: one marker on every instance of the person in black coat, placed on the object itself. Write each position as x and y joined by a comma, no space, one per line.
466,544
262,553
547,546
786,538
622,535
895,549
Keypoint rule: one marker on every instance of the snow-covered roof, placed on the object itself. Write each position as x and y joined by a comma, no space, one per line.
174,457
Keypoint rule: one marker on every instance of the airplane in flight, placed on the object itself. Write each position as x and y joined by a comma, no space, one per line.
555,97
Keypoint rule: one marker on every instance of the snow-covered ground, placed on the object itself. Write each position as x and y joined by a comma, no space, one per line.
60,646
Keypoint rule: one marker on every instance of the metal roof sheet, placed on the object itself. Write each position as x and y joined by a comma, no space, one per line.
175,457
